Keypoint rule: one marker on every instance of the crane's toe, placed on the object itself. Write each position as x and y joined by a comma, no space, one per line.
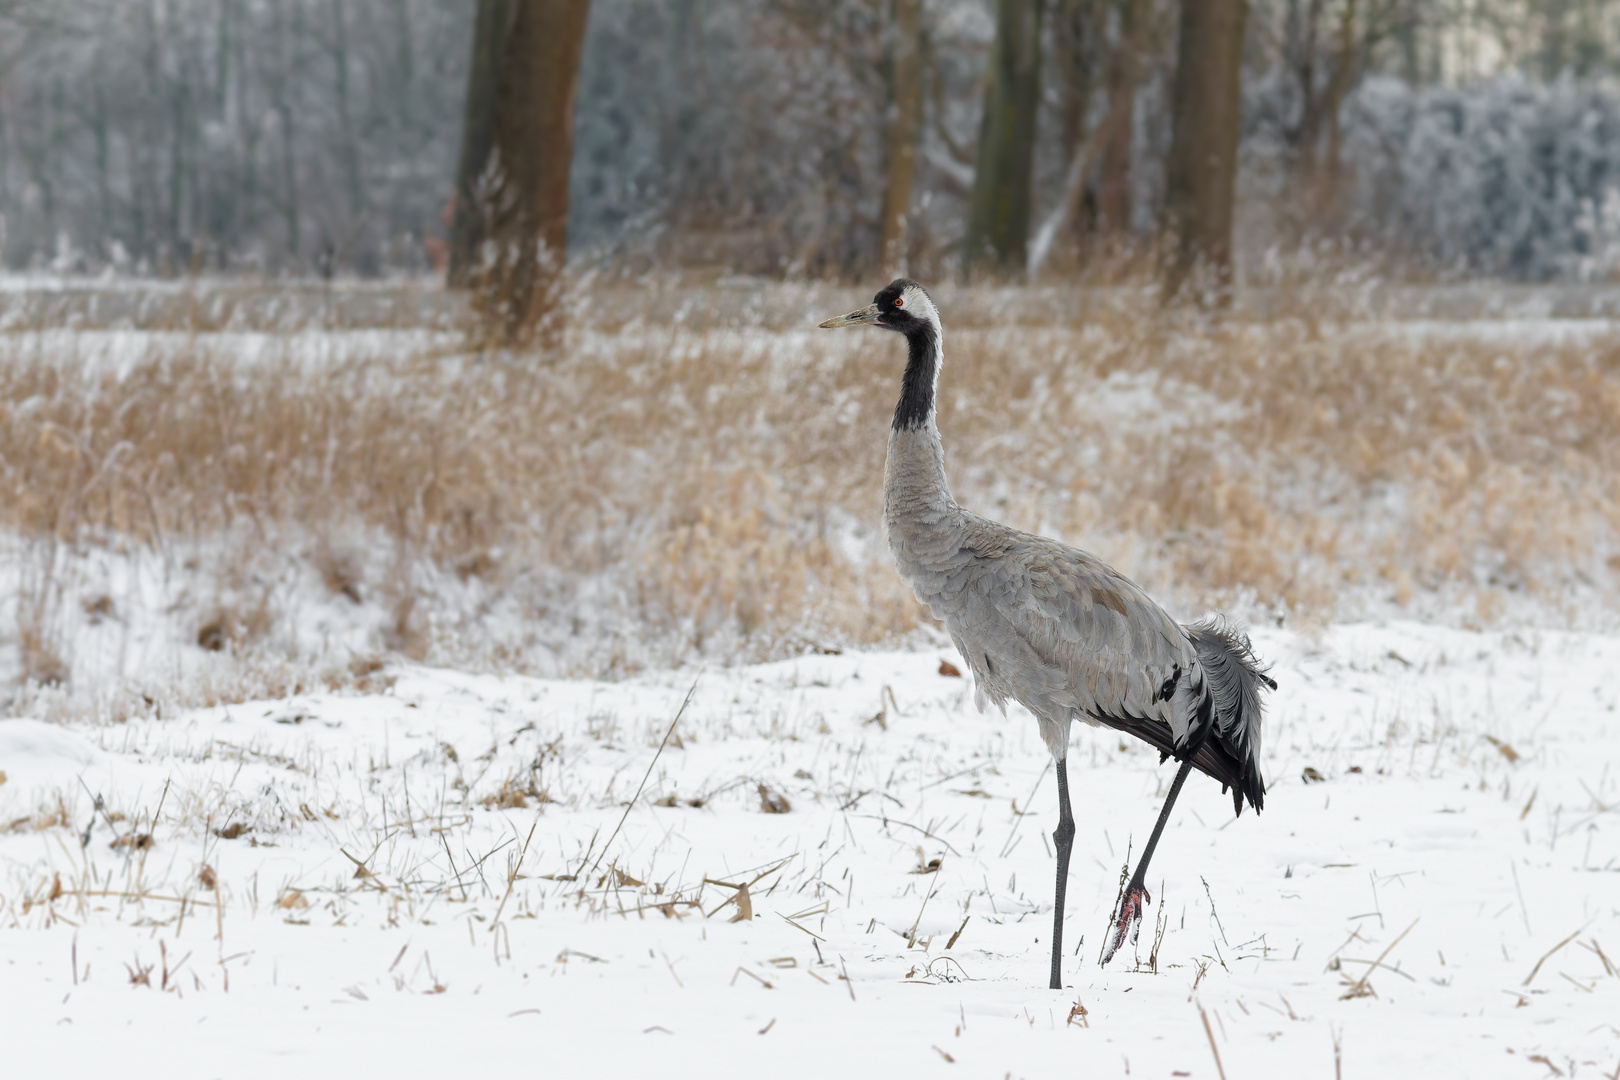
1128,921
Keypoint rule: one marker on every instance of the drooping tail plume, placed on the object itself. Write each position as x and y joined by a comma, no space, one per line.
1235,681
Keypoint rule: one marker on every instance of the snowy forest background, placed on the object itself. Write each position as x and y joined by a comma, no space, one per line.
1473,137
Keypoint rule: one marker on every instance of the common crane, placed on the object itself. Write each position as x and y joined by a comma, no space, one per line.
1056,629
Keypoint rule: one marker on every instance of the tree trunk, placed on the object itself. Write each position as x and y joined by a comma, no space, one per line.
1124,73
351,144
1302,45
1555,38
289,176
1201,171
103,184
998,216
177,166
1332,100
1076,43
467,226
905,116
523,191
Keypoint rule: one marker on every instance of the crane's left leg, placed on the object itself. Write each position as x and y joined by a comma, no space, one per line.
1064,838
1129,918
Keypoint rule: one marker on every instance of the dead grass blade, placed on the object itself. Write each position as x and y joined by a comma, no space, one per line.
739,896
644,776
360,871
1528,979
1608,968
744,971
1360,988
512,874
911,938
1018,818
1219,1068
797,926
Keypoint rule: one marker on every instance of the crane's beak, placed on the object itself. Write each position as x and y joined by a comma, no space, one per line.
867,314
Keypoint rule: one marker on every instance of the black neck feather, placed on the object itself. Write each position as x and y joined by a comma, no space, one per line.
917,387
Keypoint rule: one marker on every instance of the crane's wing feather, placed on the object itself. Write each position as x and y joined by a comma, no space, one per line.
1060,630
1068,636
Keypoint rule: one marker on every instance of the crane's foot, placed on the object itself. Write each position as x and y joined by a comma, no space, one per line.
1129,920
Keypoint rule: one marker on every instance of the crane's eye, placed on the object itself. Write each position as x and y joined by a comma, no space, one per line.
899,302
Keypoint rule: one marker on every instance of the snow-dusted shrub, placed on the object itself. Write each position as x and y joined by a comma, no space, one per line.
1504,176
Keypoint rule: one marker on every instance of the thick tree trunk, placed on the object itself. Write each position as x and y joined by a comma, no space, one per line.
998,216
533,146
468,226
905,123
1201,172
509,232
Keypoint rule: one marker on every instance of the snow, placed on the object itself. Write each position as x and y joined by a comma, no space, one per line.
1466,802
41,757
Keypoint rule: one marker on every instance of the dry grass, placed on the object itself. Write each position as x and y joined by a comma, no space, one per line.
705,475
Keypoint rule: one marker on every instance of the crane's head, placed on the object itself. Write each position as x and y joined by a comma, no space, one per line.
902,305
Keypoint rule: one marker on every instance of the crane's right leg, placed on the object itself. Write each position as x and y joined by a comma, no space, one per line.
1136,894
1064,837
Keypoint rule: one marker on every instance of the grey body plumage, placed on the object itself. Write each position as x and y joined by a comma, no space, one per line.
1052,627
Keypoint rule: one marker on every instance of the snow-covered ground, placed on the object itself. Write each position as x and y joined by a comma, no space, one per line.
434,877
